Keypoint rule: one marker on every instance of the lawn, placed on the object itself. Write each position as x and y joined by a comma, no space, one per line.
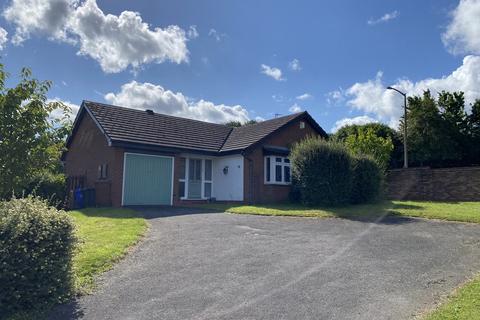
453,211
463,304
106,236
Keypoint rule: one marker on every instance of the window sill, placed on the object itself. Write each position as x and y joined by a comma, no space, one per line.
278,183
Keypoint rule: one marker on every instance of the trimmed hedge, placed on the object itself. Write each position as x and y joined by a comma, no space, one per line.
325,173
322,172
367,180
37,244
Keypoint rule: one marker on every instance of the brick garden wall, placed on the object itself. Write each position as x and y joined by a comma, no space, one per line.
447,184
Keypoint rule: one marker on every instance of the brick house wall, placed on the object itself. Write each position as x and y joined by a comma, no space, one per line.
446,184
89,149
255,190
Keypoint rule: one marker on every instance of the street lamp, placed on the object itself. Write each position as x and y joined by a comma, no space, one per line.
405,154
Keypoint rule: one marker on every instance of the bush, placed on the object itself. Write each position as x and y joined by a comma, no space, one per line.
367,179
51,187
37,243
322,172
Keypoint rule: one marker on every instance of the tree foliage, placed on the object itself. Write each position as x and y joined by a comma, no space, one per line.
375,131
236,124
367,142
31,139
440,131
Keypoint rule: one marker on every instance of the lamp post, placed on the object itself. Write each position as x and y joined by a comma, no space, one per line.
405,153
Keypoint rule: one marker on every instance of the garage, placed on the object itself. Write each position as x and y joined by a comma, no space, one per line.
147,179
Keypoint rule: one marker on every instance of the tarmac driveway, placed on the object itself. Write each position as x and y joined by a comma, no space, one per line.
219,266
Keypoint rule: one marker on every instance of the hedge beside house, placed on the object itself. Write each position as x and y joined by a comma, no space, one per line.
37,243
326,173
322,172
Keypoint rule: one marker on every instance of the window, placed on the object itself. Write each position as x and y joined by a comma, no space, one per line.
302,125
102,171
195,170
181,179
267,168
207,181
280,166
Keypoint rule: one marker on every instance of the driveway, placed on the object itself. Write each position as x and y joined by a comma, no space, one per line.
195,265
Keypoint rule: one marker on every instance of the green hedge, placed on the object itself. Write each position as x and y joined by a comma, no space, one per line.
326,173
322,172
37,244
51,187
367,180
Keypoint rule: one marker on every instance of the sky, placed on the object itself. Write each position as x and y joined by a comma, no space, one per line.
238,60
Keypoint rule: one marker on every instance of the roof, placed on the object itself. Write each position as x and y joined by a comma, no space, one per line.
243,137
126,126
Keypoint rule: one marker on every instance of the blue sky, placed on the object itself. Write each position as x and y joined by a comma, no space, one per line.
226,60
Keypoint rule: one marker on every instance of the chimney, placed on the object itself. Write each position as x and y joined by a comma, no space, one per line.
148,111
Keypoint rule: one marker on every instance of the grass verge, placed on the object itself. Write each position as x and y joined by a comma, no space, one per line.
452,211
106,235
464,303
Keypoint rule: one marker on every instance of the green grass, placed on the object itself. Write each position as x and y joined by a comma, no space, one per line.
453,211
106,235
462,304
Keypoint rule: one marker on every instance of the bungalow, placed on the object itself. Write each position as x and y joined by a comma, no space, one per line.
135,157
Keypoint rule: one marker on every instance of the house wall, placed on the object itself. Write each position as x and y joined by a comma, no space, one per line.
228,187
255,190
88,150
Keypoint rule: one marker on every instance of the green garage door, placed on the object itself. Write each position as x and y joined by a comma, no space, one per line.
147,180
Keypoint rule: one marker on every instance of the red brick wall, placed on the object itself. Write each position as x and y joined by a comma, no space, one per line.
447,184
255,190
88,150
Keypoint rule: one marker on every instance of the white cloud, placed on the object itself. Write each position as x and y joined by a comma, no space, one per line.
463,32
304,96
275,73
294,65
360,120
150,96
216,35
192,32
335,96
39,16
3,38
295,108
277,97
115,42
385,18
373,97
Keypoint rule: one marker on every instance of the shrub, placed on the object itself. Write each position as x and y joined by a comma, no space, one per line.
37,243
51,187
322,172
367,179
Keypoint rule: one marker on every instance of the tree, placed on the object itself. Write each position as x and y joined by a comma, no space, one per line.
237,124
379,130
435,129
474,129
31,140
367,142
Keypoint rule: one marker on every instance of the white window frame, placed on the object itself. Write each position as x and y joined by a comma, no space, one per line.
187,177
273,164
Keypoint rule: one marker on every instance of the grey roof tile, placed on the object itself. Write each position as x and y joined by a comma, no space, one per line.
122,124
